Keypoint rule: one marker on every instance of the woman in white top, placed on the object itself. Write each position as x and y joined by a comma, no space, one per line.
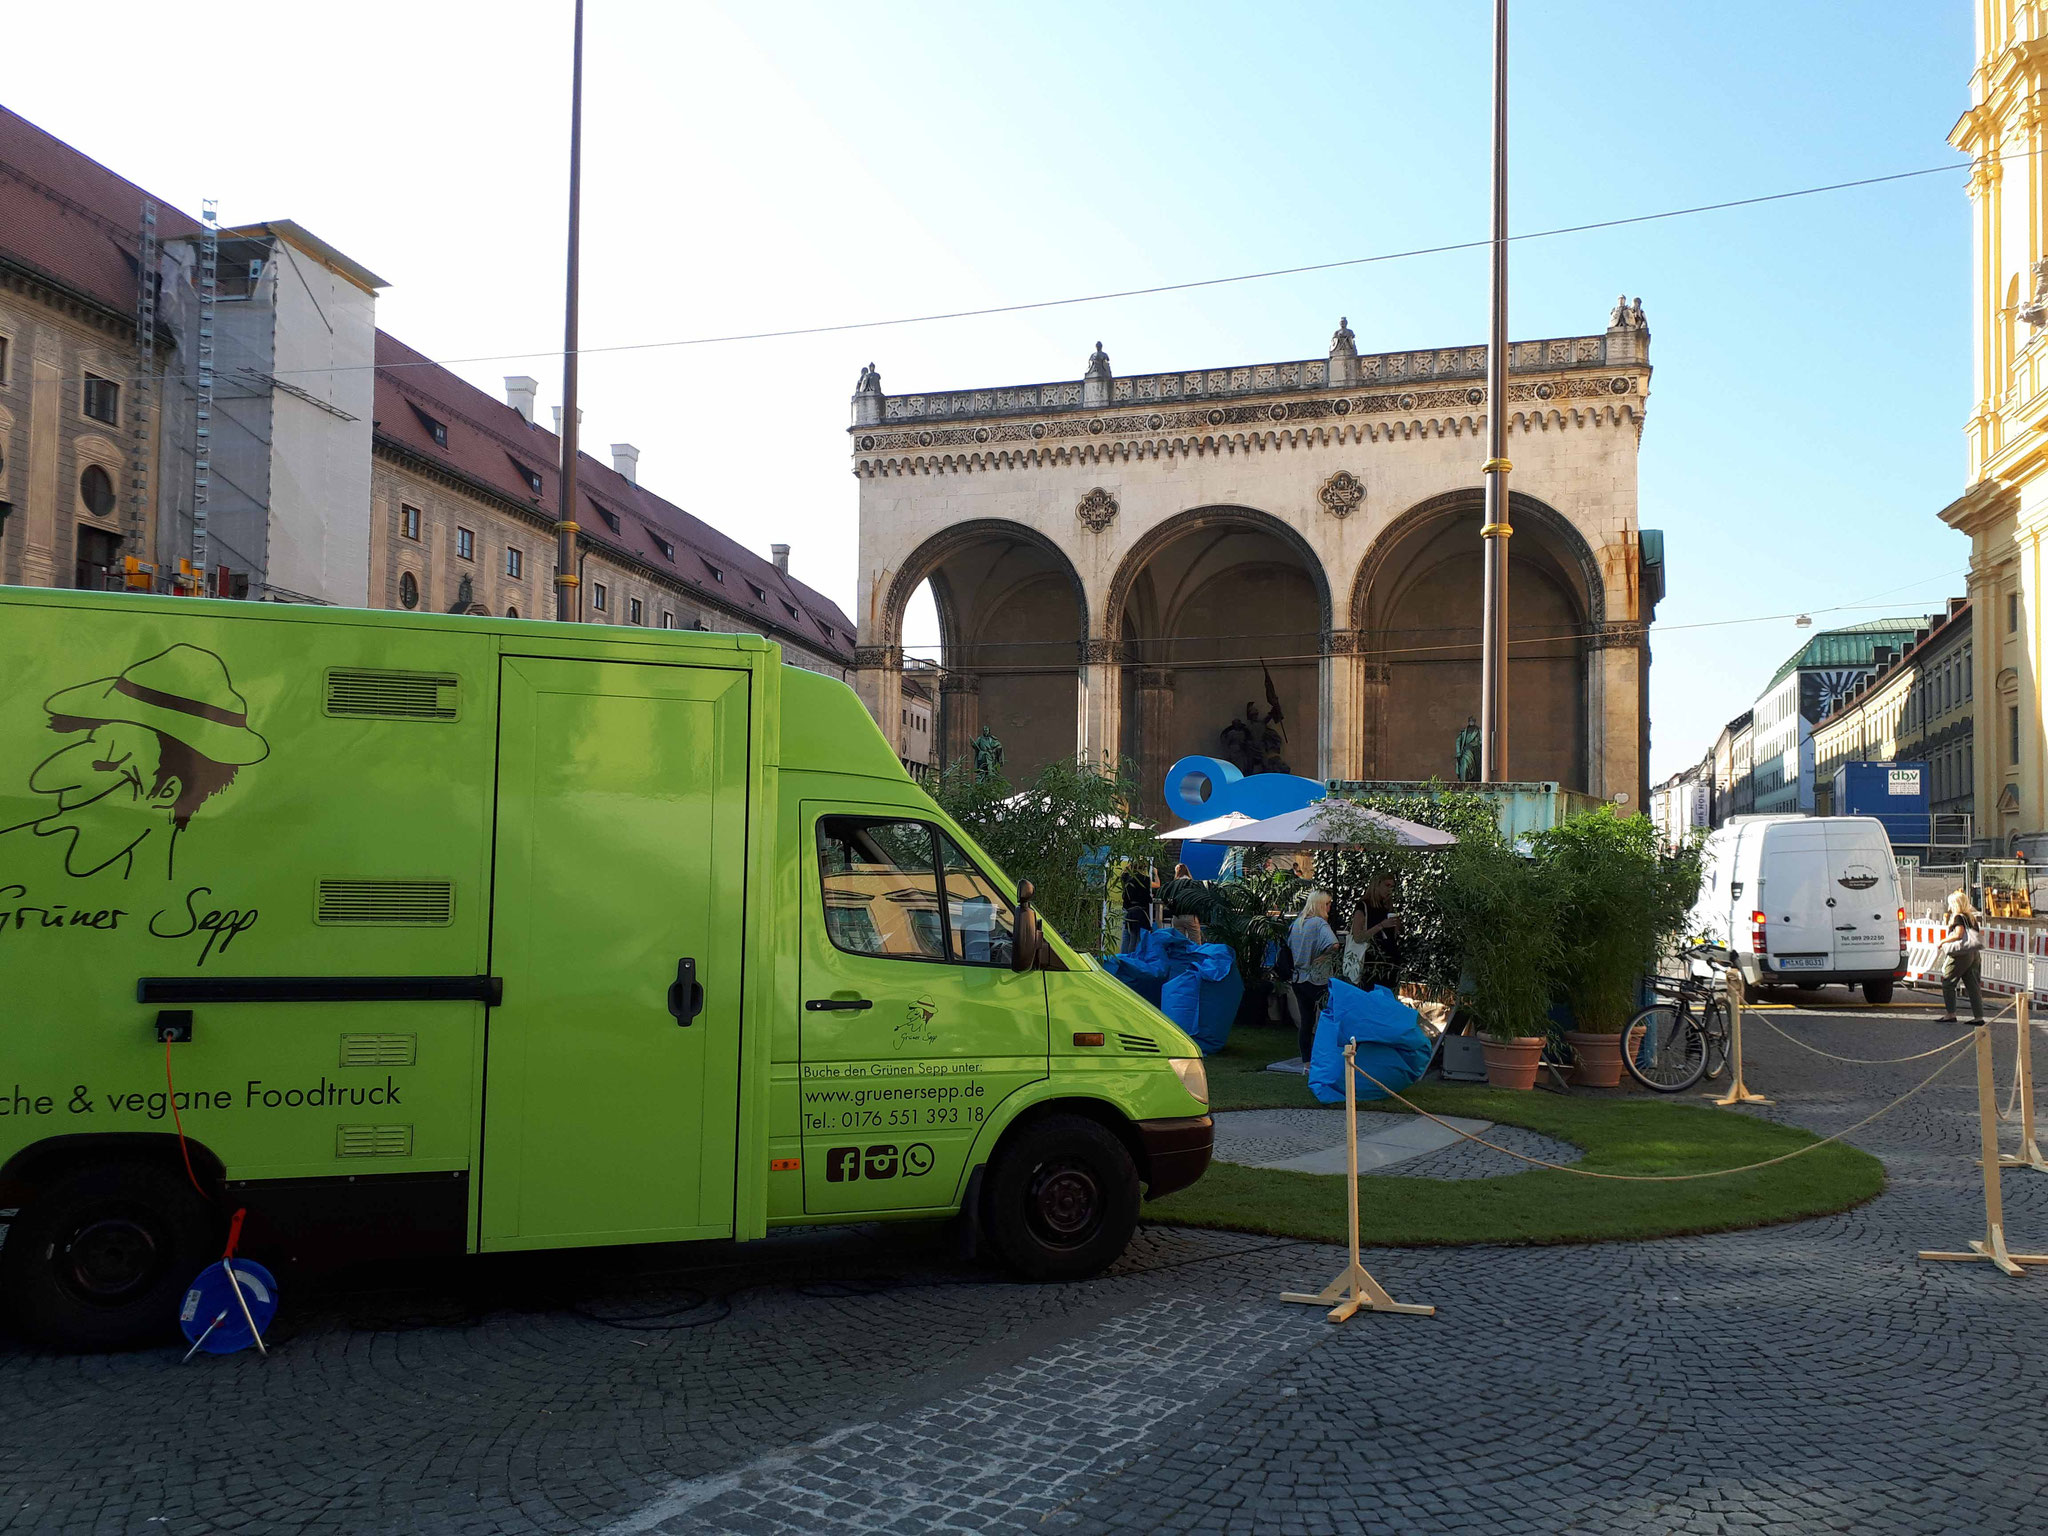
1313,946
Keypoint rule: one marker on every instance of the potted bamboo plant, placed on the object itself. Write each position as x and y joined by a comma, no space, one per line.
1499,910
1619,901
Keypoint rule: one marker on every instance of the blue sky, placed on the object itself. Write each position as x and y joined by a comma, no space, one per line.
757,167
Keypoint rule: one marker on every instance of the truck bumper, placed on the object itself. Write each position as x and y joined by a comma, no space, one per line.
1176,1152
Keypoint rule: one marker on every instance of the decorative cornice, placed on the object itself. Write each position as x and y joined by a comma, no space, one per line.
73,303
959,682
1060,444
1621,635
887,658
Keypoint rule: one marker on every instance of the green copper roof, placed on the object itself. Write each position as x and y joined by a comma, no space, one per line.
1850,646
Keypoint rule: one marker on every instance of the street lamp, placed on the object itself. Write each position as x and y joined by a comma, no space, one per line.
568,584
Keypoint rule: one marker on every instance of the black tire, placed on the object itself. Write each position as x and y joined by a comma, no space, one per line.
1664,1049
101,1258
1715,1027
1062,1199
1878,993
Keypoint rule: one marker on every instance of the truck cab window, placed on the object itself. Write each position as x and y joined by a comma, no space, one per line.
978,919
881,889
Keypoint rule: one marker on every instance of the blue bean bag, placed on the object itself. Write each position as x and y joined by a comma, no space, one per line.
1392,1044
1195,985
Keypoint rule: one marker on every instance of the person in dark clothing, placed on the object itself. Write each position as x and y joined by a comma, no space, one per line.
1184,894
1138,886
1962,959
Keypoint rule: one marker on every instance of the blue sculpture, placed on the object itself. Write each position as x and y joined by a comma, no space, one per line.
1202,788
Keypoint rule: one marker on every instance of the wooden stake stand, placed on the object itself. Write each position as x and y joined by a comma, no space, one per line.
1738,1091
1354,1290
2029,1154
1991,1249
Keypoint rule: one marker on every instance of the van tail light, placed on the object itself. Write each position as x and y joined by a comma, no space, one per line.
1756,932
1903,944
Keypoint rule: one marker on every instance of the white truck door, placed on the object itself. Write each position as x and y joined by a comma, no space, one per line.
1862,896
1793,896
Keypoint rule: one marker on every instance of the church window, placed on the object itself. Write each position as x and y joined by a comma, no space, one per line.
102,399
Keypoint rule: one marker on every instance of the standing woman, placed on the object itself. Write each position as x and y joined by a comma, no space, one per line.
1962,957
1313,945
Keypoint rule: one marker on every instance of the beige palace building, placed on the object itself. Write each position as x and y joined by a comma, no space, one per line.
2005,510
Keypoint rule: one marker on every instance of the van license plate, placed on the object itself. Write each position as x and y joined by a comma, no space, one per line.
1799,962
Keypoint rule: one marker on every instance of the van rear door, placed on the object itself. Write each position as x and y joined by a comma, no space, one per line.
1793,896
612,1091
1863,885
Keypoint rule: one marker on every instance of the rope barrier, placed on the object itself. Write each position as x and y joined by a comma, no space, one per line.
1958,1047
1876,1061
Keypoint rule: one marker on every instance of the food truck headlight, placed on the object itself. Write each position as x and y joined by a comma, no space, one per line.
1193,1075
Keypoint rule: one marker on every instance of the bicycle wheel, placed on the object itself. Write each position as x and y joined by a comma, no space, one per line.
1715,1029
1664,1048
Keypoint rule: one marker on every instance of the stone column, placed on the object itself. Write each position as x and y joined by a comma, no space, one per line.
39,516
960,717
1375,686
1613,703
1339,733
1098,734
1155,725
878,679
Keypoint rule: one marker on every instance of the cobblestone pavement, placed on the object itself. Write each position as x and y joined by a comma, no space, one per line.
1262,1137
1812,1377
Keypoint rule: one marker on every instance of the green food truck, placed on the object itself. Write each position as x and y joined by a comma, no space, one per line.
434,934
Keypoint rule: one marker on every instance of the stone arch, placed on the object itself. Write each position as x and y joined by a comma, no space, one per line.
1013,621
1204,610
1415,608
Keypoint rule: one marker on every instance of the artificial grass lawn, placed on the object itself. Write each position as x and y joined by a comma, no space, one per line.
1619,1135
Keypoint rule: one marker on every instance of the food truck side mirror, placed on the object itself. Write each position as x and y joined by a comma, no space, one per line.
1024,942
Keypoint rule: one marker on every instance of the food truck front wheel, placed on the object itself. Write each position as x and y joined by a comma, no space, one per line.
1061,1199
99,1257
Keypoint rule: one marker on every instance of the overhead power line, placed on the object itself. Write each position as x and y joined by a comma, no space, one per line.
1185,286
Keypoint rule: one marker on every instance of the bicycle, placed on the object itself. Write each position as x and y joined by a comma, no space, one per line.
1670,1045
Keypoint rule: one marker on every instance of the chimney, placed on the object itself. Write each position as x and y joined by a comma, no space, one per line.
626,460
1955,605
779,553
521,393
558,418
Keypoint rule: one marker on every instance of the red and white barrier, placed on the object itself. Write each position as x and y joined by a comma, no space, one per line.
2015,955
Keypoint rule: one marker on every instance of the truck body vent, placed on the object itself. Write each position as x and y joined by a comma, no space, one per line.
373,1141
386,903
1140,1045
380,1050
361,693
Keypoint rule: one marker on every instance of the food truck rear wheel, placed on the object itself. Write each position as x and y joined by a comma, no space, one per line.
1062,1199
99,1258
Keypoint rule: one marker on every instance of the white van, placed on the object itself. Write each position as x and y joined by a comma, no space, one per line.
1805,901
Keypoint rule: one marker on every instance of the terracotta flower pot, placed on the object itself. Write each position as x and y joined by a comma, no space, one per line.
1512,1063
1599,1059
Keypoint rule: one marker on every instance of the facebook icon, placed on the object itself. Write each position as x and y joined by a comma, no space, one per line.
842,1164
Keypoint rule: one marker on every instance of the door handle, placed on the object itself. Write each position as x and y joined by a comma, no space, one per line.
686,996
837,1005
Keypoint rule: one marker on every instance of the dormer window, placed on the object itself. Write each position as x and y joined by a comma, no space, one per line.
716,574
530,476
760,593
791,608
827,628
437,430
611,519
668,550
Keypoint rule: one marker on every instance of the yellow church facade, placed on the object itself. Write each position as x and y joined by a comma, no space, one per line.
2005,510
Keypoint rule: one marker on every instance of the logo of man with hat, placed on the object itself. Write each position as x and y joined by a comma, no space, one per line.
159,740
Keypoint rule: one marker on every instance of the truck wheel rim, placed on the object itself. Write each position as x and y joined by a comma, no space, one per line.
109,1260
1066,1205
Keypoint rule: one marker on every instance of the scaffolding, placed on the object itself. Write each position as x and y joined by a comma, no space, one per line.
142,391
205,283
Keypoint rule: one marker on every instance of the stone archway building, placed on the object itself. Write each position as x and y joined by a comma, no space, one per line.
1120,564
